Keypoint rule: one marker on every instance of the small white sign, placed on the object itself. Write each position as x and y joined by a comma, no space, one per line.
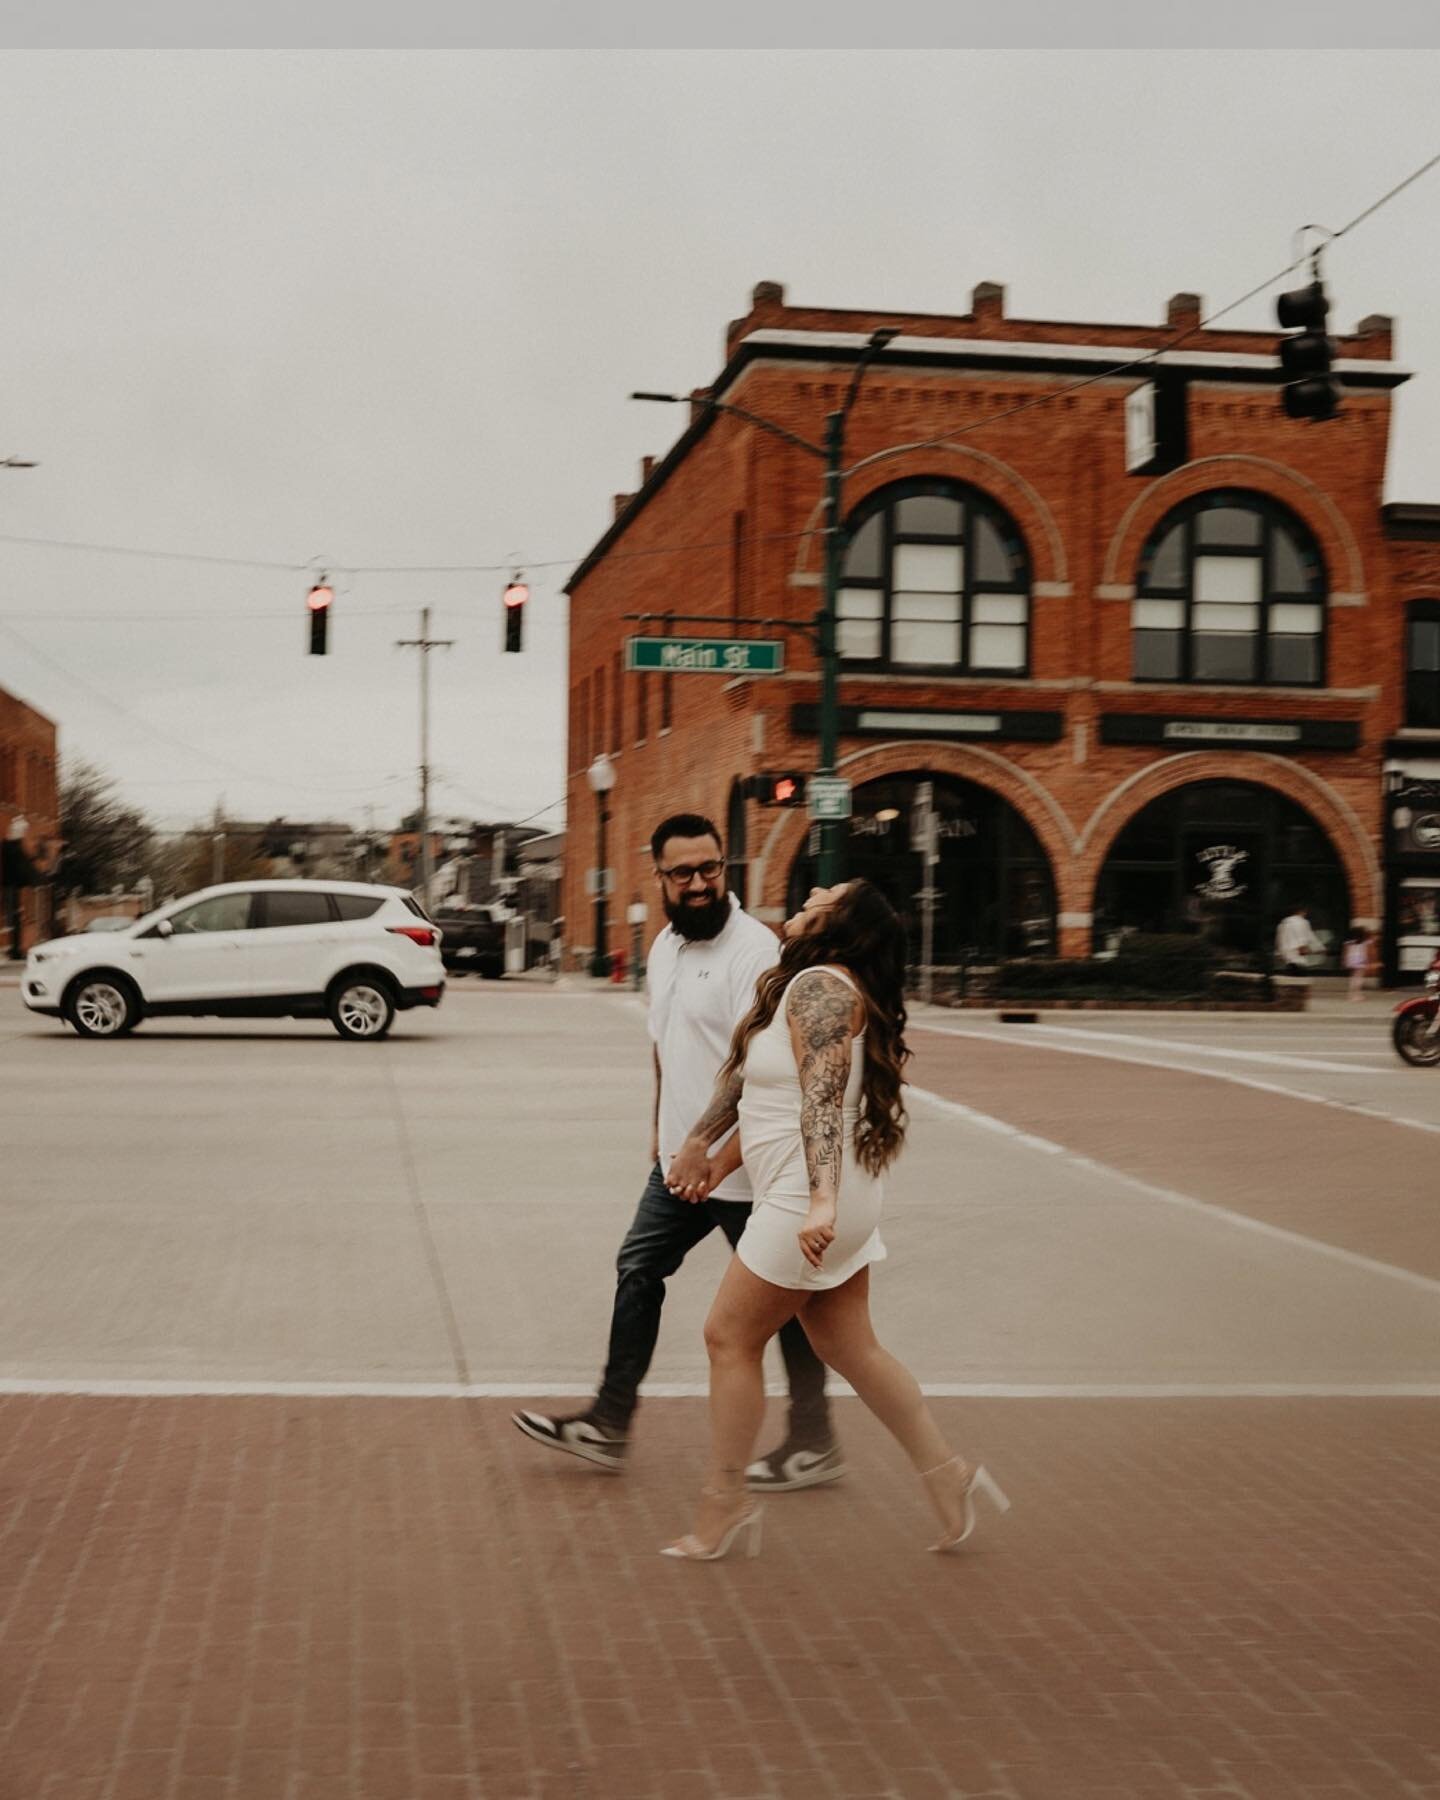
828,797
1140,445
636,913
599,881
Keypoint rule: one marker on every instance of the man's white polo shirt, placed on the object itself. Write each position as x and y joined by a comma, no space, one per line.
699,992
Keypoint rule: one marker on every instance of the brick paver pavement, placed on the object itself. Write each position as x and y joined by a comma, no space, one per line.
344,1599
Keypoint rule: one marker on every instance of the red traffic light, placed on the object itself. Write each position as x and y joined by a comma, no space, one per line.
516,594
319,596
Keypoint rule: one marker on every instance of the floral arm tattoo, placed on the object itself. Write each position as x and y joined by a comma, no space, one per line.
822,1027
722,1112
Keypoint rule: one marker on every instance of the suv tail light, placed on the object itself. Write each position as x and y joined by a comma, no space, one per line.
424,935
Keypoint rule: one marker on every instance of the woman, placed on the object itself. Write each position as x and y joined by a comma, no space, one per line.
814,1081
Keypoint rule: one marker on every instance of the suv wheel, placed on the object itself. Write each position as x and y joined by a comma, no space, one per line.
102,1006
360,1006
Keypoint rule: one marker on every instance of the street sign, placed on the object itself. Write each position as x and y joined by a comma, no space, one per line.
705,656
828,797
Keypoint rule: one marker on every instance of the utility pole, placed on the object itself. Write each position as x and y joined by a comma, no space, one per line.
217,845
424,644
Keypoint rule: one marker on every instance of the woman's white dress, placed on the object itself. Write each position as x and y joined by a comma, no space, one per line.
775,1159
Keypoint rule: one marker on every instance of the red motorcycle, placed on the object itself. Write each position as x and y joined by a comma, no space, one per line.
1416,1031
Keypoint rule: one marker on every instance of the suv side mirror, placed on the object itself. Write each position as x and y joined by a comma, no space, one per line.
164,929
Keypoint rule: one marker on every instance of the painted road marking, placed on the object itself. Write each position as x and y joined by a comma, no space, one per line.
1022,1035
1172,1196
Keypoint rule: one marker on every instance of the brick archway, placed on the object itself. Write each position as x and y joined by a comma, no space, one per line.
1309,791
987,474
1314,507
967,762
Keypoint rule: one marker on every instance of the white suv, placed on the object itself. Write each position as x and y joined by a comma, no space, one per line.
254,949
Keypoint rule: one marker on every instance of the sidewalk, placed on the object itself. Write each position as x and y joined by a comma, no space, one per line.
280,1599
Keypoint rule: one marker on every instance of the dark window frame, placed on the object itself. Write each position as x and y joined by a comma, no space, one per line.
974,504
1273,516
260,910
1420,612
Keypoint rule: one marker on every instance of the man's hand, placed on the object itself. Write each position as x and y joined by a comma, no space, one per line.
691,1175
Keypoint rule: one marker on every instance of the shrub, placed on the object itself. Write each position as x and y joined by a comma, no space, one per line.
1147,967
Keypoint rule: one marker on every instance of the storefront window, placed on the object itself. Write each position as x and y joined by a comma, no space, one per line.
996,894
1422,665
1225,860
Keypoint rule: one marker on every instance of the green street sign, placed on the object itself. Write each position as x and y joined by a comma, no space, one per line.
705,656
828,797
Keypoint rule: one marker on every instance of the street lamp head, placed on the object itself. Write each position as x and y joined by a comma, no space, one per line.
883,335
19,825
666,399
601,774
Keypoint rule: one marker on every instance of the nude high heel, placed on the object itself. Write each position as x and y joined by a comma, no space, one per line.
981,1482
690,1549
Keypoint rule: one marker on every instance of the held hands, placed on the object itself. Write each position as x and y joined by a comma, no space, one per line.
692,1173
818,1232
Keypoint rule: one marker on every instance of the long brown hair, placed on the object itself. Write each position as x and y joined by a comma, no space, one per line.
861,934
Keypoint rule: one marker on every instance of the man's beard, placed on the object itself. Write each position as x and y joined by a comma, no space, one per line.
698,923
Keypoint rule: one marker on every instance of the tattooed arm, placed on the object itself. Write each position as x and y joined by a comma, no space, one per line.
694,1171
824,1016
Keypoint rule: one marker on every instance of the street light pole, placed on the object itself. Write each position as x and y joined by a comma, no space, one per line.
601,776
424,644
829,862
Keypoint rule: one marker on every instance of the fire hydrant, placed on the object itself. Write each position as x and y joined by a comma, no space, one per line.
617,967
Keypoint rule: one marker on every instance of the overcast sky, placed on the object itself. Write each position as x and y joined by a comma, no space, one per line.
383,308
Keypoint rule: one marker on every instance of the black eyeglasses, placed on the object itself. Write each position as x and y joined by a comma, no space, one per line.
682,875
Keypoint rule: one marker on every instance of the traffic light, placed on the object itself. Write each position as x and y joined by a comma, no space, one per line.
785,787
1306,356
318,600
515,597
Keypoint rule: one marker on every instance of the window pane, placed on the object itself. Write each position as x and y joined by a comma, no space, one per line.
1291,571
1425,644
858,638
935,514
296,909
860,603
1295,618
1295,659
1158,615
990,559
866,548
933,568
1422,700
1224,657
226,912
998,609
1234,579
1166,565
1228,525
997,647
944,607
1157,655
924,642
358,906
1225,618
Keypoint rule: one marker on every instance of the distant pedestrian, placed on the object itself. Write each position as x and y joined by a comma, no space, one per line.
814,1079
1295,941
1358,957
701,977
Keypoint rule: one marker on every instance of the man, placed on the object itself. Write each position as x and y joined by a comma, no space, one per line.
701,975
1294,941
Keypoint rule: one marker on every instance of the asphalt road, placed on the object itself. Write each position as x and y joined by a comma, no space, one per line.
1096,1204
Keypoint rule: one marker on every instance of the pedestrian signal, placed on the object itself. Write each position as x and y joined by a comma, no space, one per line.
782,788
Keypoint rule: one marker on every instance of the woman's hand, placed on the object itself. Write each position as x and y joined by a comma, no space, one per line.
818,1232
691,1175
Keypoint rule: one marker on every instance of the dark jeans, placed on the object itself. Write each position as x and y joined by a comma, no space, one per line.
664,1232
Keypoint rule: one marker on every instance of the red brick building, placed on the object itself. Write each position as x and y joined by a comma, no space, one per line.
1144,700
28,792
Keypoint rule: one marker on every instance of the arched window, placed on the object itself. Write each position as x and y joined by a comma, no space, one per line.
1422,664
1231,588
935,576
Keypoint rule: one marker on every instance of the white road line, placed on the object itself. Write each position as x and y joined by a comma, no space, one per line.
90,1388
1172,1196
1001,1036
1275,1058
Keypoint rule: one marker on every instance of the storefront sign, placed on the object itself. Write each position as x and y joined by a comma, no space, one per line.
1220,861
906,722
1239,734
